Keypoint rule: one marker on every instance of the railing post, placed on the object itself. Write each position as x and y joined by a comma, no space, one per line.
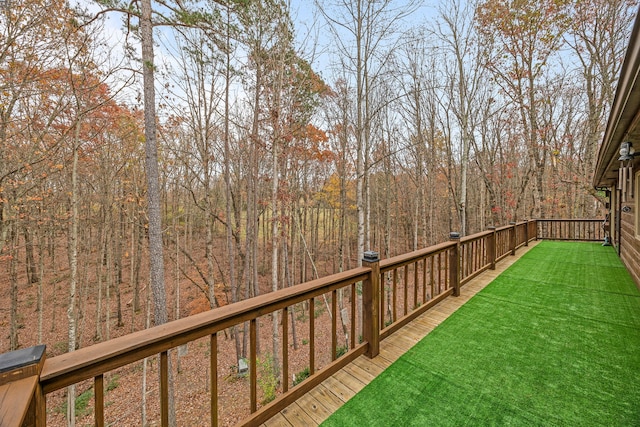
513,237
491,248
20,380
371,304
526,232
454,264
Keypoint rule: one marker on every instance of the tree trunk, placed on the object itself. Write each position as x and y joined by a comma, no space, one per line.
13,278
32,270
156,256
99,276
73,272
40,283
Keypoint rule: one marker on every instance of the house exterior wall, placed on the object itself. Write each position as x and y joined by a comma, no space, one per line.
629,232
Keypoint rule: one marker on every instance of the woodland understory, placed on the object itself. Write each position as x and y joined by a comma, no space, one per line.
196,154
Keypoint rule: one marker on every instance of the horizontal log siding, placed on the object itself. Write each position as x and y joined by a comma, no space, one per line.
630,244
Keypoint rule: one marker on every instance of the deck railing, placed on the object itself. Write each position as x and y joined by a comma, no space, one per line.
394,292
571,229
95,361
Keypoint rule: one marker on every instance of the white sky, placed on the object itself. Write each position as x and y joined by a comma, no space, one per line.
313,40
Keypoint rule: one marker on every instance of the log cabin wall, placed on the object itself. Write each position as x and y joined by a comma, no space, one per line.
629,231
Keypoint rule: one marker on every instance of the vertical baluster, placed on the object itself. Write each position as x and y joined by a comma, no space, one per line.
164,388
381,298
468,258
579,226
492,248
466,262
394,294
285,350
484,253
406,288
561,226
353,315
424,280
312,339
253,375
431,276
445,270
98,388
415,285
213,367
334,323
439,273
462,265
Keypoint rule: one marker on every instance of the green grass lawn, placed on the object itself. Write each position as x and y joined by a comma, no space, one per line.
554,340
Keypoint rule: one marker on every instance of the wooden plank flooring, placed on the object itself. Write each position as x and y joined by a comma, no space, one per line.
317,405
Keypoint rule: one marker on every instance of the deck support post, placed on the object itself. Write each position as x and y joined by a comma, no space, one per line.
371,304
454,264
491,248
513,237
22,401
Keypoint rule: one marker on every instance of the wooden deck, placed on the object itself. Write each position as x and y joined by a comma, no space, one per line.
317,405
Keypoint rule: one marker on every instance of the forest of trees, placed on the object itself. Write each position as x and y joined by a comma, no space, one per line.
262,169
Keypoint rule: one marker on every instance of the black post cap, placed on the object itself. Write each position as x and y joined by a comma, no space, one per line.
371,256
20,358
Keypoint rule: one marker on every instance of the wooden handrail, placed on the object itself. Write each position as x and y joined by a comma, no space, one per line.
85,363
